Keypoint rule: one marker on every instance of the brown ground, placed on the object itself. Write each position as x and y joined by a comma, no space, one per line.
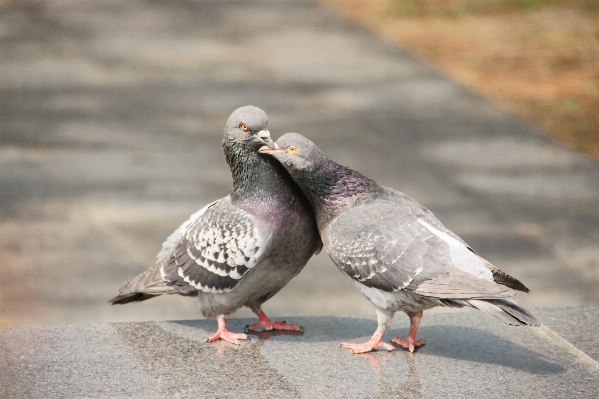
536,58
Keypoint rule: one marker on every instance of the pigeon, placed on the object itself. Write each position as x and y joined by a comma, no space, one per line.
394,250
241,249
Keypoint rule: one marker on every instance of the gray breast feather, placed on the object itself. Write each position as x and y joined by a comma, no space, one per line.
217,248
383,245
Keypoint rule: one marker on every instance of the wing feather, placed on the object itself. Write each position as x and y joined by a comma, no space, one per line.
383,245
393,243
216,248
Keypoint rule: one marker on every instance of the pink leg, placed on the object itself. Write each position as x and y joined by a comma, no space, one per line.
410,342
225,335
269,325
376,341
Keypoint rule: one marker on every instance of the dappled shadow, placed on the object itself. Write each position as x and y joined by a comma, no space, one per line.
481,346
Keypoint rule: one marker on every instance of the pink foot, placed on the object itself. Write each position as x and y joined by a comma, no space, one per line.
268,325
409,343
224,334
374,343
275,325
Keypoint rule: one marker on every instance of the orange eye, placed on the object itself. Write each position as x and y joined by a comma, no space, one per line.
292,150
244,127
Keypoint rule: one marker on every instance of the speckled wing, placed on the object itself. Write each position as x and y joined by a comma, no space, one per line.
383,245
216,248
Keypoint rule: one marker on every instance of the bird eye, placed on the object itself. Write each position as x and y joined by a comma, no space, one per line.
292,150
244,127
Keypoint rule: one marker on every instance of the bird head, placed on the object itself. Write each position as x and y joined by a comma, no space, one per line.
248,126
295,152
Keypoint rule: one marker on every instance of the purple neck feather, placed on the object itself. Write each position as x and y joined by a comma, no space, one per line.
260,184
330,188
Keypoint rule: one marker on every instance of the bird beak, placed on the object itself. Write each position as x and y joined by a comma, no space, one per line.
265,135
269,150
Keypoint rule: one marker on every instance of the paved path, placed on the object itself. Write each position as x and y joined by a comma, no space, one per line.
111,121
470,356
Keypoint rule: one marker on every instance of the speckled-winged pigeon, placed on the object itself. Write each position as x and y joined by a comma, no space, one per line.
242,249
396,252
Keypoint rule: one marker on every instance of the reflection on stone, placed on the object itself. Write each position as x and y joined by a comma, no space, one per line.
182,367
410,389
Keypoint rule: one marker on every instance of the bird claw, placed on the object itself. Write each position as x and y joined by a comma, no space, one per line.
228,336
268,325
409,343
365,347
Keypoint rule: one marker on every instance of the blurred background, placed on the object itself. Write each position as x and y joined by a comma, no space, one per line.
536,58
111,116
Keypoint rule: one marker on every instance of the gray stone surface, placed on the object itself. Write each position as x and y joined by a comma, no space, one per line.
111,115
467,355
575,325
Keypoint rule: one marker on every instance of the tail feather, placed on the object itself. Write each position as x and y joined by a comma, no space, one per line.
501,277
131,297
505,310
144,286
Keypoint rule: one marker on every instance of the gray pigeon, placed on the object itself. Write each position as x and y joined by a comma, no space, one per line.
242,249
395,251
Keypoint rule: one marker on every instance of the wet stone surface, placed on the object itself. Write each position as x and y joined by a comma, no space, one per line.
467,354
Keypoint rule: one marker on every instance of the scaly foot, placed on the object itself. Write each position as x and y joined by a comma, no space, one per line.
224,334
373,344
275,325
409,343
269,325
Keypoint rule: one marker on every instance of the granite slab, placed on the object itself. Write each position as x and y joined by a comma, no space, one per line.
466,355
